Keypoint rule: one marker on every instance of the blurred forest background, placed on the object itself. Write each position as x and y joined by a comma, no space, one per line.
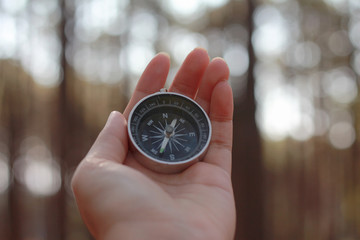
295,66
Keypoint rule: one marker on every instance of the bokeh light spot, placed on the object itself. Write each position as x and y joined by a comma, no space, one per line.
181,42
36,169
304,130
237,58
184,11
354,33
342,135
13,6
356,62
8,36
303,55
135,57
144,26
270,39
339,43
42,178
215,3
340,84
279,113
44,7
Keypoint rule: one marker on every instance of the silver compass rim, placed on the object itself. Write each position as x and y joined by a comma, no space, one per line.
182,162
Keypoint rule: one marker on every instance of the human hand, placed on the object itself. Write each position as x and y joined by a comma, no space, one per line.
118,198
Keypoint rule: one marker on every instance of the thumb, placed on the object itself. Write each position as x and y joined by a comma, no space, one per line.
112,142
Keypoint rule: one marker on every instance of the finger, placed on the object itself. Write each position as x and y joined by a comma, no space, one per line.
152,80
188,78
112,142
221,114
216,71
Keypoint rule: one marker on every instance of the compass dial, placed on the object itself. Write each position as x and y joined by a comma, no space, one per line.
169,129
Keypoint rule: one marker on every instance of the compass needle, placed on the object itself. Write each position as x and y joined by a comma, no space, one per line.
173,123
164,144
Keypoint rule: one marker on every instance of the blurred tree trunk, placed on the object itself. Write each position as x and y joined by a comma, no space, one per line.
61,130
247,160
16,127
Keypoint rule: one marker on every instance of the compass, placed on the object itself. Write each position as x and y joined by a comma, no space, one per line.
168,131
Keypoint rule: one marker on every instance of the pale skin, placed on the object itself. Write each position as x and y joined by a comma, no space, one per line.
118,198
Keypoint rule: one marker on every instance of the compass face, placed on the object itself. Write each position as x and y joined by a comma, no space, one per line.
169,127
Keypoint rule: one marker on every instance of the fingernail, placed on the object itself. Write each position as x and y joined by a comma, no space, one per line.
218,58
200,48
164,53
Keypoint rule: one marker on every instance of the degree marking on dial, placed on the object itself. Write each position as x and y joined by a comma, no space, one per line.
170,146
162,127
175,144
150,122
156,136
176,127
160,139
184,140
181,130
154,151
154,132
178,143
160,130
181,134
144,137
151,104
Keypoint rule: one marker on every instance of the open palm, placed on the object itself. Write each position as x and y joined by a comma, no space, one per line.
118,198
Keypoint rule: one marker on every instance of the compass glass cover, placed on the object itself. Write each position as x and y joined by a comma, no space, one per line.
169,127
